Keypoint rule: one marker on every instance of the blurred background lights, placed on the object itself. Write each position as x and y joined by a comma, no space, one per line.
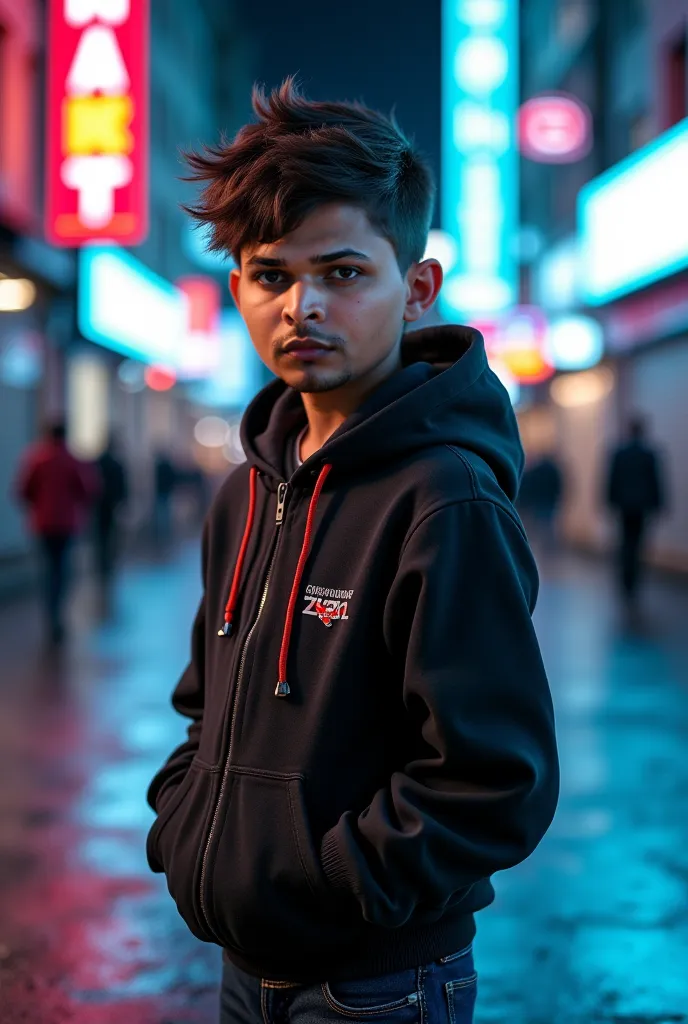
481,64
556,276
501,370
212,432
158,378
21,360
442,247
233,449
575,342
481,293
130,374
555,129
528,243
581,389
16,294
483,13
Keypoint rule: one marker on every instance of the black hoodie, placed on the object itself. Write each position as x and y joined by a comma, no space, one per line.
371,730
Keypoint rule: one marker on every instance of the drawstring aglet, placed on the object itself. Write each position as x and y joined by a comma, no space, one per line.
282,689
226,629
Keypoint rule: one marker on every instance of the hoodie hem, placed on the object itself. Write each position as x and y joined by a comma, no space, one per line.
380,951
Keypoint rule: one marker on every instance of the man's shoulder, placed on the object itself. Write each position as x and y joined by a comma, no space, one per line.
233,487
448,474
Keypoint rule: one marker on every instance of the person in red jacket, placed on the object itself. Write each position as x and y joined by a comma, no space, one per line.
57,490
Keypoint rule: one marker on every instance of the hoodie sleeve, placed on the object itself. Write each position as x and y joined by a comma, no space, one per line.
188,699
481,788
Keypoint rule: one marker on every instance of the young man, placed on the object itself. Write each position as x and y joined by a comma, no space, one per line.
371,727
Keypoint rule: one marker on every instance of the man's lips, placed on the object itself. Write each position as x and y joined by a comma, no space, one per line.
305,346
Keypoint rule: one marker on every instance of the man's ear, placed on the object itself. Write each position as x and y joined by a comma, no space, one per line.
424,281
234,279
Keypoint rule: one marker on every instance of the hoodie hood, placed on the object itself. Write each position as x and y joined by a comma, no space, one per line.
444,394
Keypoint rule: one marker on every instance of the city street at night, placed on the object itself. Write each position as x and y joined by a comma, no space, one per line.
594,927
359,313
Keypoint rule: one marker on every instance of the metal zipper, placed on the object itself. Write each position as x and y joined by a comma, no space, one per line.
279,517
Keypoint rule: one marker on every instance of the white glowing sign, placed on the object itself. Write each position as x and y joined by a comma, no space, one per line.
633,220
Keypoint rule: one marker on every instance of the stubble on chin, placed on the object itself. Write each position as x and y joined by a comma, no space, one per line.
312,384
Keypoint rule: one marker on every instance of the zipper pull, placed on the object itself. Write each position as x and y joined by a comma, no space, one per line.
281,502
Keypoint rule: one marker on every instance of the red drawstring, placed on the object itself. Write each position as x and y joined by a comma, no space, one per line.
234,592
282,689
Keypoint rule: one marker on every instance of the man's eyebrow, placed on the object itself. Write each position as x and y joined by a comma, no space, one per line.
328,257
264,261
340,254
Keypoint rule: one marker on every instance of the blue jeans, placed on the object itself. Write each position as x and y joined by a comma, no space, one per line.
442,992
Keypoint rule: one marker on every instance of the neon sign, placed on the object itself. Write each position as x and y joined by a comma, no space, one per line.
126,307
200,352
97,116
633,220
479,154
520,343
555,129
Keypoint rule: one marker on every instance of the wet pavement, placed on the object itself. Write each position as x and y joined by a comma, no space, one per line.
594,927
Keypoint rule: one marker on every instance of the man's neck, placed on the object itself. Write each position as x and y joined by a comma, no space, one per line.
327,410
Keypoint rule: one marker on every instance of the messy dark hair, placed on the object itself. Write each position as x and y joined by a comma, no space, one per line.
301,154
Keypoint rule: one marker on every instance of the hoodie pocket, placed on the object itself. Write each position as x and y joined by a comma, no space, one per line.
268,889
170,803
176,843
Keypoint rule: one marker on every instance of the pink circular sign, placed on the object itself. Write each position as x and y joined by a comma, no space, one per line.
554,129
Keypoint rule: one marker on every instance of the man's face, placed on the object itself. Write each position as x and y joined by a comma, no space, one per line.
325,305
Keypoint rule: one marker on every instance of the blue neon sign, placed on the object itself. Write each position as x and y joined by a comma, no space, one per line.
128,308
479,195
633,220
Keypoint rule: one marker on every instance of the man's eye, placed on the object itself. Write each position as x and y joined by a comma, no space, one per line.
269,277
347,273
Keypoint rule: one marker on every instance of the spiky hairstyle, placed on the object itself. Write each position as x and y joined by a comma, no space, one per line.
301,154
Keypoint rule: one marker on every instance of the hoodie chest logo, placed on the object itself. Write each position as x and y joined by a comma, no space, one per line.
327,604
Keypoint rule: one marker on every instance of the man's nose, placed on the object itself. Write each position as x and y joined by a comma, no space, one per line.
304,302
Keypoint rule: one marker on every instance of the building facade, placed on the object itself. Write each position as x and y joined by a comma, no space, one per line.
626,59
200,76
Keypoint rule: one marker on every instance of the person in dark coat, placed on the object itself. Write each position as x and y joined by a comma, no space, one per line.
57,490
113,496
635,492
540,498
166,480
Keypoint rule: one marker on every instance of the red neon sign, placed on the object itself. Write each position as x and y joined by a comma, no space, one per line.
554,129
97,116
200,354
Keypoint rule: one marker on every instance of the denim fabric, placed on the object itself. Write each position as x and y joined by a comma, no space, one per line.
442,992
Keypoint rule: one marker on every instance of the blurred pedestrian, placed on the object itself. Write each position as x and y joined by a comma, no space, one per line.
540,498
165,483
635,492
57,490
364,670
114,492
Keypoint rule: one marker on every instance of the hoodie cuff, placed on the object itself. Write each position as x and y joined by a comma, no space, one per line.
333,865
